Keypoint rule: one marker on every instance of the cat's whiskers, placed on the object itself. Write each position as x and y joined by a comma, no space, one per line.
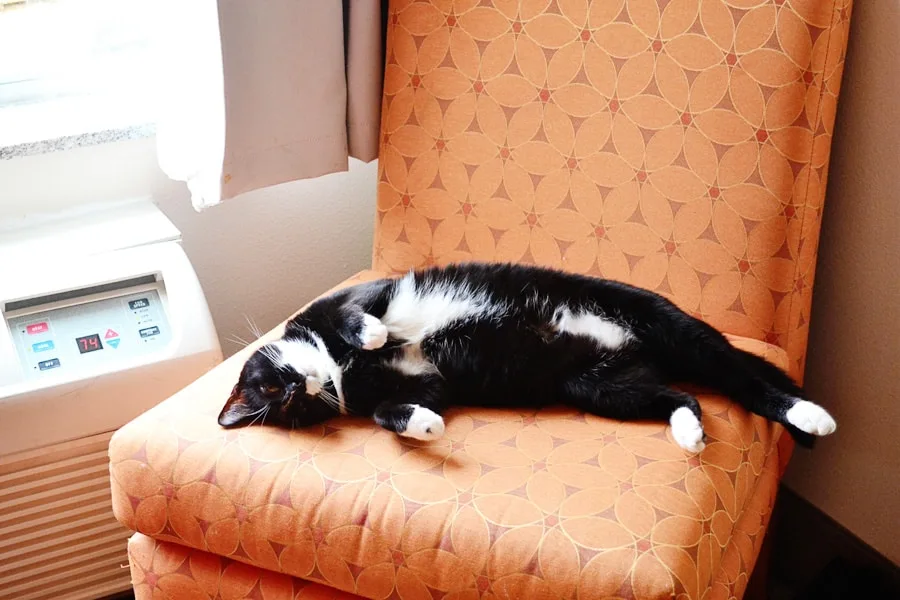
334,401
269,352
266,414
264,409
330,399
253,327
238,340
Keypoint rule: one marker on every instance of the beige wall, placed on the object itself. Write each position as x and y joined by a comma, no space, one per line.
854,357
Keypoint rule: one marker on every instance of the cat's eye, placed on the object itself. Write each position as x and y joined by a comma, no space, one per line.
270,390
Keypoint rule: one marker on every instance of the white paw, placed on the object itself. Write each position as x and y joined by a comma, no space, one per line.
424,424
686,429
374,334
811,418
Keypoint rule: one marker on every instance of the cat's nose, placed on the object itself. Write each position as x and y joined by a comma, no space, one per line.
288,399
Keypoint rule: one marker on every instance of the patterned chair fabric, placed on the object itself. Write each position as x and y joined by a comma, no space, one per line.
679,145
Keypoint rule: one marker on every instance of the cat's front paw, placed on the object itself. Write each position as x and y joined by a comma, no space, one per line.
686,430
424,424
811,418
374,334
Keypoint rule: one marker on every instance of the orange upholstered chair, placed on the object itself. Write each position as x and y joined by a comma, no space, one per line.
680,145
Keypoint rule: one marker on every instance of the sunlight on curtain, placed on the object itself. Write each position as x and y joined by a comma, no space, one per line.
191,122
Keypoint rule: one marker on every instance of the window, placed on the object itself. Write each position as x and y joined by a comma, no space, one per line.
74,66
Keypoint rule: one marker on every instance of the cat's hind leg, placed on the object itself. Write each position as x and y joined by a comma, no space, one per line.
802,416
630,400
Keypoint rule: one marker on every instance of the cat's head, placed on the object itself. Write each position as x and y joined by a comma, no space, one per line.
291,382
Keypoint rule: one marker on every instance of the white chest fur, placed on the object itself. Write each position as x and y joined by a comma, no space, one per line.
415,312
413,362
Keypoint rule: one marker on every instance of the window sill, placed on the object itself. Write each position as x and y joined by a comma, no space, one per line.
68,123
81,140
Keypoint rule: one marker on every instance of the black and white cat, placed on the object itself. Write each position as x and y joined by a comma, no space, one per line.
403,350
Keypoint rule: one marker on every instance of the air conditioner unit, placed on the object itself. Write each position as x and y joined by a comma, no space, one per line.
102,318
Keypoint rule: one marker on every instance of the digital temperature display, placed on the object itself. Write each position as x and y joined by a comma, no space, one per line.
89,343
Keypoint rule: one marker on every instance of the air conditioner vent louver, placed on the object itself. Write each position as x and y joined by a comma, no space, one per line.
58,537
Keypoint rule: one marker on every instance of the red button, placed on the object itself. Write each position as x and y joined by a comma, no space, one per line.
37,328
110,334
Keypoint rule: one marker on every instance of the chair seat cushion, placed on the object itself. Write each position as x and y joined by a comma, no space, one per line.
510,503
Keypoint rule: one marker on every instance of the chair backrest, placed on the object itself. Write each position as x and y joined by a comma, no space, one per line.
678,145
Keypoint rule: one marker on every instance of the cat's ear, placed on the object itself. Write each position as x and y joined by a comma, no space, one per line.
236,409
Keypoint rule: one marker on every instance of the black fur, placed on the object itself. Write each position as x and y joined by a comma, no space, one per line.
517,357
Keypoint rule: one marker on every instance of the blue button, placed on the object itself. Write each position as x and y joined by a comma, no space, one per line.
42,346
149,331
48,364
113,343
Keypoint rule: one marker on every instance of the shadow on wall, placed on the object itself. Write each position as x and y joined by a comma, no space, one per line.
855,329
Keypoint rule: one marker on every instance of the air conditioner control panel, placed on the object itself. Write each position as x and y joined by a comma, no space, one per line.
93,334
